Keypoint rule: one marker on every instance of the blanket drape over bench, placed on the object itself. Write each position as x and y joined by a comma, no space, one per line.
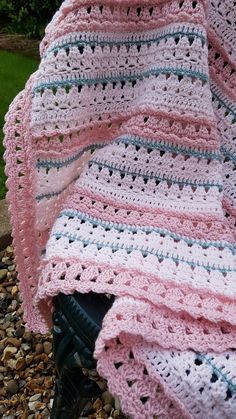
120,156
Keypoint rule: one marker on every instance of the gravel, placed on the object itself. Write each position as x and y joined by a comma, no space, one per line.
27,373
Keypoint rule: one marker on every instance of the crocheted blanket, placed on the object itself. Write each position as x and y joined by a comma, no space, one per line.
120,156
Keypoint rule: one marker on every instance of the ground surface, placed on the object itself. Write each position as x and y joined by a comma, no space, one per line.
15,69
27,373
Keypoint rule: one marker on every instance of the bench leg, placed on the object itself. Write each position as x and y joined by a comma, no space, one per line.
77,321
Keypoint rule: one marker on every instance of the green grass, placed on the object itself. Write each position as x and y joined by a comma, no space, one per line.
15,69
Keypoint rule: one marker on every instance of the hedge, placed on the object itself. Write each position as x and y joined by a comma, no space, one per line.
27,17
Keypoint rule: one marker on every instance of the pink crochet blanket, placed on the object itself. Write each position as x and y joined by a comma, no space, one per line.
120,156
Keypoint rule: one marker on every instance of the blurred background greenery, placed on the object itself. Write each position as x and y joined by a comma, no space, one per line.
27,17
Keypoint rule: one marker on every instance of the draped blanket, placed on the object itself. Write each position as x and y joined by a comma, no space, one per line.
120,156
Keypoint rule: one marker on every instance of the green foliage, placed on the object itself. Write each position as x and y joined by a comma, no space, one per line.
27,17
14,71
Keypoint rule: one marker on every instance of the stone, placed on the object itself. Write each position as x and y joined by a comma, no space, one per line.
11,268
11,364
10,331
19,332
22,383
107,408
12,387
39,348
107,398
26,347
47,346
32,405
40,367
35,398
13,342
5,227
48,382
97,405
27,336
3,392
14,290
9,250
45,413
29,358
13,305
8,352
3,274
20,364
1,348
117,403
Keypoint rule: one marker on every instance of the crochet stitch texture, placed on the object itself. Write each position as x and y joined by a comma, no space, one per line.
120,156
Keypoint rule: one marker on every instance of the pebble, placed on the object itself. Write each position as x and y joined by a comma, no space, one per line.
39,349
12,387
13,305
19,332
14,290
26,371
32,405
3,392
47,346
117,403
10,332
107,398
8,352
27,336
3,273
35,398
14,342
48,382
20,364
107,408
26,347
97,405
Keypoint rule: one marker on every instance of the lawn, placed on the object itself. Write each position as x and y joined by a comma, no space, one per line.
14,72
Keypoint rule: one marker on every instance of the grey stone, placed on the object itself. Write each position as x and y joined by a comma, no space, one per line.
12,387
107,398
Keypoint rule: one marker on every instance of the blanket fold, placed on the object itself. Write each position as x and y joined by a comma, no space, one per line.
120,156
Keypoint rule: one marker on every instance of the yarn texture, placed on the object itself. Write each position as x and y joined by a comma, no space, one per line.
121,156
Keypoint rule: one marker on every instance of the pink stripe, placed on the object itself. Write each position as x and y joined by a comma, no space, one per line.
117,19
167,329
201,227
175,129
133,123
102,278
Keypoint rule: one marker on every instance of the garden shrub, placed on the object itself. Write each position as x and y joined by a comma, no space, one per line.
27,17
